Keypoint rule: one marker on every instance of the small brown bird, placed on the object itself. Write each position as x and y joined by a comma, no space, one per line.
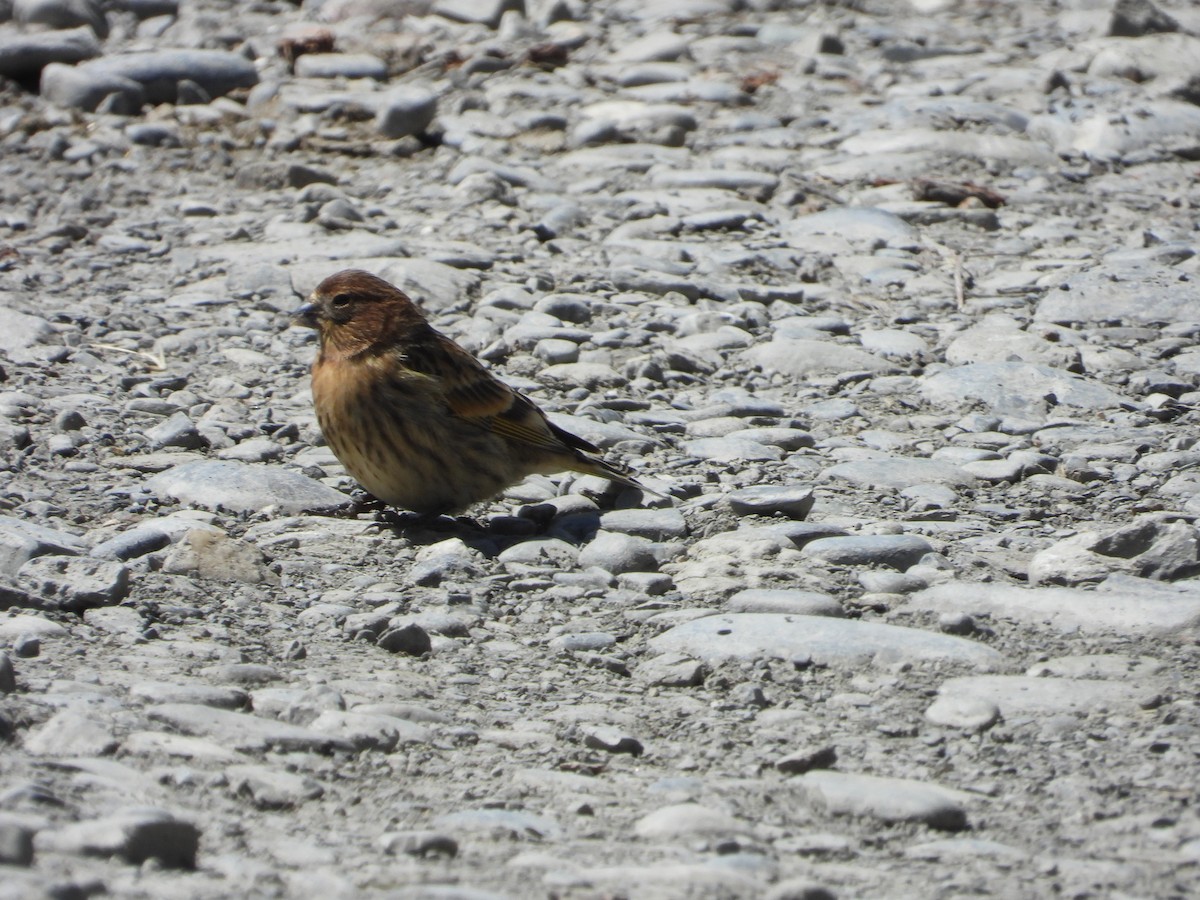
416,419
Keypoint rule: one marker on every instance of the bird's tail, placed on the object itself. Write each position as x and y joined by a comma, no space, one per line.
623,475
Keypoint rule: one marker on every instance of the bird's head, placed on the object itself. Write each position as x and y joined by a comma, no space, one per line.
354,311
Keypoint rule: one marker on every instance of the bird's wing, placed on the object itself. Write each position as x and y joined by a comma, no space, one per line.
475,394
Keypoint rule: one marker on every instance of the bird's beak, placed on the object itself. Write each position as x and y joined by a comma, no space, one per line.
306,315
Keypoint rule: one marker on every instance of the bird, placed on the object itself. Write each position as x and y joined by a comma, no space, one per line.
417,420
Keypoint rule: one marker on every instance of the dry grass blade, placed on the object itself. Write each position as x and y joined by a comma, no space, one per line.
158,363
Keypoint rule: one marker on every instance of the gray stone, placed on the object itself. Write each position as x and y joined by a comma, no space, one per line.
683,820
799,889
116,620
245,488
214,555
161,72
8,674
74,87
410,639
618,553
671,670
611,740
1017,387
1015,695
797,762
156,692
405,111
243,731
968,713
886,799
828,641
135,834
784,600
592,641
1134,18
23,56
484,12
652,524
272,789
897,551
800,358
71,733
22,540
1142,295
16,843
62,14
1125,607
857,224
75,583
732,450
423,844
177,430
370,731
792,501
340,65
512,824
15,626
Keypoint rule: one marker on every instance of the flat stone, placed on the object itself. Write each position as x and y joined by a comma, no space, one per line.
272,789
245,488
886,799
71,733
75,583
652,524
792,501
686,819
801,358
1017,387
162,743
1021,695
899,473
784,600
16,626
861,224
243,731
503,823
897,551
1122,608
212,554
23,56
968,713
827,641
371,731
1146,295
21,540
136,835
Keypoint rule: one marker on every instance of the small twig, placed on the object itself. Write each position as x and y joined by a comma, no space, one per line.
156,362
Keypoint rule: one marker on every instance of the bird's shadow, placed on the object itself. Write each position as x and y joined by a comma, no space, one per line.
494,536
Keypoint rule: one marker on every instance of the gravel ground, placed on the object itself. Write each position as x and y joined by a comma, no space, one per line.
895,302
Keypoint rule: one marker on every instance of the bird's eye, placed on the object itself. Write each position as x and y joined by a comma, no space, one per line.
341,301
